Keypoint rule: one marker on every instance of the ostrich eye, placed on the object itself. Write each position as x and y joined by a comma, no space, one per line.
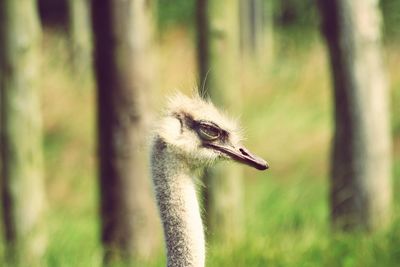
208,132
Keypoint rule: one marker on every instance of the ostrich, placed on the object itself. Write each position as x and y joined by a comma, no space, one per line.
191,134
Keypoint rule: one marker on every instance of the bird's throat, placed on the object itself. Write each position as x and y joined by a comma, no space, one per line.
179,208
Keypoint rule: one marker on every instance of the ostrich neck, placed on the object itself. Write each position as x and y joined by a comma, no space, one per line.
178,206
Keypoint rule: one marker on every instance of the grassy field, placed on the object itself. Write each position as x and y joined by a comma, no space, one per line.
287,117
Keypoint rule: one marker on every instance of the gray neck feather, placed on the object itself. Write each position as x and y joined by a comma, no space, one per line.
178,206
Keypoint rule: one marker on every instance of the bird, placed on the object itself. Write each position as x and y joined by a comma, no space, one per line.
190,135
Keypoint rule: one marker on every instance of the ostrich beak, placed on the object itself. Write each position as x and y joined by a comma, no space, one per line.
241,155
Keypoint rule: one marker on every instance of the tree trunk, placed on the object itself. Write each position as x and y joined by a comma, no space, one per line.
256,31
79,34
218,51
122,46
361,161
23,198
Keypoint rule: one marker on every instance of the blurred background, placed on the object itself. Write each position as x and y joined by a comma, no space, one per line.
272,71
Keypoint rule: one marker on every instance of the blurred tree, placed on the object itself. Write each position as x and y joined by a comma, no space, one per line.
361,162
256,36
218,51
23,198
122,54
80,34
53,13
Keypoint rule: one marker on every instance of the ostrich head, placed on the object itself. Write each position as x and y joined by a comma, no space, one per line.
196,131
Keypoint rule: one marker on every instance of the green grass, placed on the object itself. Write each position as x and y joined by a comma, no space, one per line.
292,229
286,114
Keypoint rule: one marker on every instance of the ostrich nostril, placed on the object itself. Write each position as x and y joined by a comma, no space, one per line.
244,151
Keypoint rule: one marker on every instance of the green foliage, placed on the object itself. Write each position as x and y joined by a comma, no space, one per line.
391,18
295,17
396,108
176,13
297,14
